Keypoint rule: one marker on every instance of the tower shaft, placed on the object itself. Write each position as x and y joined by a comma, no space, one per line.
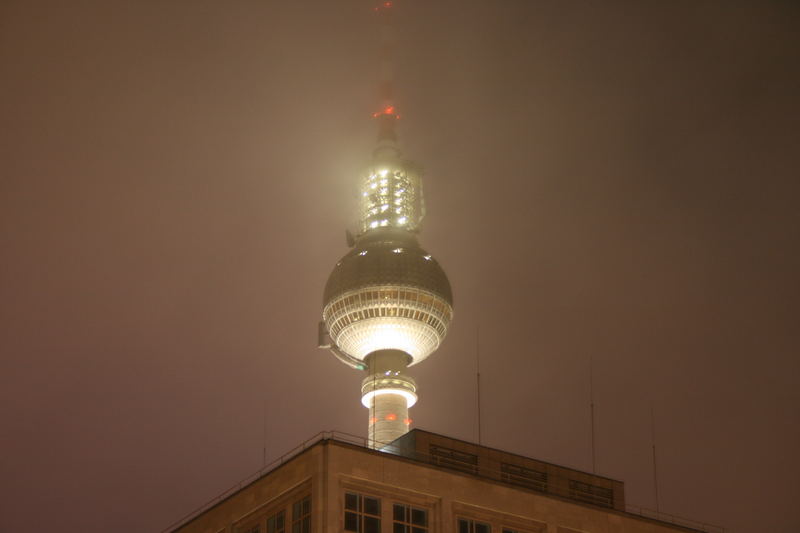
388,393
388,419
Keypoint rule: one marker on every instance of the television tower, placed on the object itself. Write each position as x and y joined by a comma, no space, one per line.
387,304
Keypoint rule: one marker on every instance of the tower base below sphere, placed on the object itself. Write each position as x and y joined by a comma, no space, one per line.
388,419
388,393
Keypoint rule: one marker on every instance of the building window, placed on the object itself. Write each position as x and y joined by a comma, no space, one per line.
525,477
362,514
473,526
277,523
466,462
593,494
409,519
301,516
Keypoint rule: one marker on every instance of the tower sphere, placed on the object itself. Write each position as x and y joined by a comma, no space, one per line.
387,293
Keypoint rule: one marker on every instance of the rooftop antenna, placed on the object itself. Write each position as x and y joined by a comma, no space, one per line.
653,439
264,435
478,366
591,410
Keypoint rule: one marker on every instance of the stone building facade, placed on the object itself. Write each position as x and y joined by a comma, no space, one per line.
422,483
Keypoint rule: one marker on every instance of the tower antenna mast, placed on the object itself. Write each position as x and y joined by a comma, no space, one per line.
386,114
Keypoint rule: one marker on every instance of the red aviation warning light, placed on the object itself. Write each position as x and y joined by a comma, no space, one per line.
388,111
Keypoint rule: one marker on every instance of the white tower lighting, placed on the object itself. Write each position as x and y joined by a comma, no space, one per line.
387,304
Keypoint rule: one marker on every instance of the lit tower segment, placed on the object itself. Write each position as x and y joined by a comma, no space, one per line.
387,304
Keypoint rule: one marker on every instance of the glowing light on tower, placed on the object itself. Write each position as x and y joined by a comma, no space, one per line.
387,304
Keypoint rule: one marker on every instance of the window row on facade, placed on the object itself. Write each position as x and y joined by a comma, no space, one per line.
468,525
588,493
522,476
364,513
299,512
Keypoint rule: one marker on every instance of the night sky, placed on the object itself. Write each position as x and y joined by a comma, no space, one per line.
613,182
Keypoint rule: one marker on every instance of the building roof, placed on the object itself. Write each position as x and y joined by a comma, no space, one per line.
464,458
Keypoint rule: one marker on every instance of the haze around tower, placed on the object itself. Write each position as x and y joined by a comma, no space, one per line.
615,179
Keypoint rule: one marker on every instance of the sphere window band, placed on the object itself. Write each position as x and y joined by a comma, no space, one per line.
390,296
361,304
415,320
